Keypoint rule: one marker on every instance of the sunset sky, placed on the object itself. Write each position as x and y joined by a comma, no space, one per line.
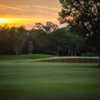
28,12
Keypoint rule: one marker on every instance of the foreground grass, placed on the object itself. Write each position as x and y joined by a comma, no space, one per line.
29,80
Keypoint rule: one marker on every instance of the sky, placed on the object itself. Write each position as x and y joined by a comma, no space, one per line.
28,12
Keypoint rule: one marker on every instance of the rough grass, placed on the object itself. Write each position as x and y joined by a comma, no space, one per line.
22,58
29,80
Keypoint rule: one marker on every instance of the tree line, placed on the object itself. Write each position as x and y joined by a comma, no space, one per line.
47,39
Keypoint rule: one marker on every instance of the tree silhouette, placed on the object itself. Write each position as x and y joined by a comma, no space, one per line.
85,14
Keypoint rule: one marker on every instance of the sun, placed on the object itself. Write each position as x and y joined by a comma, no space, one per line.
4,21
9,21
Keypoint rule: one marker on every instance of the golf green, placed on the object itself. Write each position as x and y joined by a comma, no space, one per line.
27,80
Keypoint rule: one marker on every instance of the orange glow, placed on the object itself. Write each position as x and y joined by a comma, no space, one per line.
11,21
15,21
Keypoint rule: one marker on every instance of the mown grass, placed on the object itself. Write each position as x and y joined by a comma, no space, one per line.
29,80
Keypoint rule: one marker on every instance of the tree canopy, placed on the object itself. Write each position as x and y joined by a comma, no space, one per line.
85,15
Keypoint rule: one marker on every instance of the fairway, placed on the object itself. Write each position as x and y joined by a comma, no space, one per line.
28,80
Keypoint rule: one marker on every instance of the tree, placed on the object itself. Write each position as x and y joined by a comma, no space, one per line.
18,37
5,45
85,14
49,27
66,41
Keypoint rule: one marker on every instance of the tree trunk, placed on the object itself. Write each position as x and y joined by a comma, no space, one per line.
16,51
58,50
68,51
30,47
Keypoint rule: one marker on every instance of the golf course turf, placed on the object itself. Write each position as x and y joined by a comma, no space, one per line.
23,79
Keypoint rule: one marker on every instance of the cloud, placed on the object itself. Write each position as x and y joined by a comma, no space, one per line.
27,9
44,7
10,7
